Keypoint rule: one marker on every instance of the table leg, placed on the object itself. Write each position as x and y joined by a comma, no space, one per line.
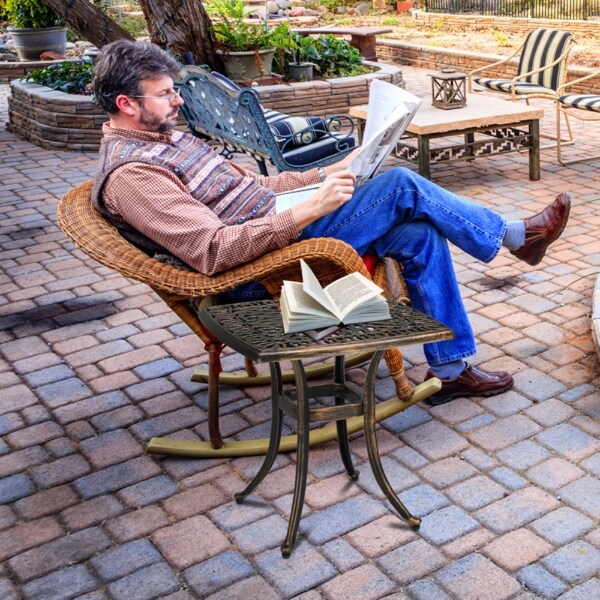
424,159
302,400
342,428
469,141
534,150
372,448
275,437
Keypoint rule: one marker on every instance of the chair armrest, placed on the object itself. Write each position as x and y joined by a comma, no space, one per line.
490,66
568,84
101,241
323,130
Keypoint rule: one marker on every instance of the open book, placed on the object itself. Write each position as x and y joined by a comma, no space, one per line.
390,111
350,299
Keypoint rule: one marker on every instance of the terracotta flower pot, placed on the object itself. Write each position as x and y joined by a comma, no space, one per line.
405,6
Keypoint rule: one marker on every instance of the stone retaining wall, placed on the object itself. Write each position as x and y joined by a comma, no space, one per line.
56,120
505,24
53,119
429,57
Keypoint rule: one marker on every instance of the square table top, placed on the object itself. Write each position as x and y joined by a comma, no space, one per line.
480,111
255,329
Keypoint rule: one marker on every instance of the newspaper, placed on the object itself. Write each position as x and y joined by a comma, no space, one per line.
390,111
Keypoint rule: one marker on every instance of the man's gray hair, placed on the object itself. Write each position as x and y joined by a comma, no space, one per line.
123,64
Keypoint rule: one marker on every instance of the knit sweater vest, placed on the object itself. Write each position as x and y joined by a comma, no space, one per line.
209,178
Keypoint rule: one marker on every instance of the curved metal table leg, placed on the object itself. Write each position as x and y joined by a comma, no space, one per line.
302,458
275,437
342,428
372,448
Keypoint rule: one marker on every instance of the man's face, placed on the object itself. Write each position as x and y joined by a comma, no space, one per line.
158,105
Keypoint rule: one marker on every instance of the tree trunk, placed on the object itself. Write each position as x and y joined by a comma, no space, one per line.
86,19
181,26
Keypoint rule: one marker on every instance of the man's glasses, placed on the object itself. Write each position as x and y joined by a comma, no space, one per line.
170,97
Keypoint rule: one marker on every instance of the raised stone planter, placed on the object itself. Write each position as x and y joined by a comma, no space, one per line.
52,119
56,120
330,96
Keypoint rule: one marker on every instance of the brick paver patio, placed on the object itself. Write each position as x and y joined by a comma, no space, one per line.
92,365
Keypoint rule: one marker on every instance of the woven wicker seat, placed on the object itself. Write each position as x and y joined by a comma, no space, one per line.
329,258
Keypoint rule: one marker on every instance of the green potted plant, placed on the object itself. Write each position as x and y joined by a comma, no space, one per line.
305,53
35,28
247,48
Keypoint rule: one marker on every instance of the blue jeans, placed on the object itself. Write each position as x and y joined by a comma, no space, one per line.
407,217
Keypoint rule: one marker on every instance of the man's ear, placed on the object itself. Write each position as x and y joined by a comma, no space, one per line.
124,105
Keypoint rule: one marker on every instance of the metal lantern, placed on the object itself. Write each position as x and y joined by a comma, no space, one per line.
448,89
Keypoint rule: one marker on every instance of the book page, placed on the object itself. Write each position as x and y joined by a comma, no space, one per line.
291,198
351,291
313,288
390,111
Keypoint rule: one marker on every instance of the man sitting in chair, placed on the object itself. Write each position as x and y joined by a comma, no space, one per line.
167,190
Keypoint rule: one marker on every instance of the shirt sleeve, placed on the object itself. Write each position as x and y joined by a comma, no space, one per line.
283,182
156,203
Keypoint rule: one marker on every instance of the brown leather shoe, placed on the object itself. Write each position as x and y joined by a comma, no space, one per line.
543,229
471,382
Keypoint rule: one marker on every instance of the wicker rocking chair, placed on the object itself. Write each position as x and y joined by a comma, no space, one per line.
183,289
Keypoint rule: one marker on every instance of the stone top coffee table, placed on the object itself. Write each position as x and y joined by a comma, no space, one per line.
487,126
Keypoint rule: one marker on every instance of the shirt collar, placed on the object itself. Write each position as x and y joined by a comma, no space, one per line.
145,136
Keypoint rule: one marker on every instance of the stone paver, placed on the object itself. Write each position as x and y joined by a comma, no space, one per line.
93,365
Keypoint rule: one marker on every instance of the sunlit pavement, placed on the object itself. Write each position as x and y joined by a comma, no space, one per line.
93,365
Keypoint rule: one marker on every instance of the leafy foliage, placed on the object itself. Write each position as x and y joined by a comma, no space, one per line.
69,77
331,56
30,13
234,35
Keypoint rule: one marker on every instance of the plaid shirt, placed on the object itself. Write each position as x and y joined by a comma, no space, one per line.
156,202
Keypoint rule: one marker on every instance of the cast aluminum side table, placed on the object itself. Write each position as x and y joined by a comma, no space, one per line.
255,330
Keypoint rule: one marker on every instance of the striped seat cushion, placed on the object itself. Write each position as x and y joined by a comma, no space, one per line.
318,150
542,47
584,101
503,85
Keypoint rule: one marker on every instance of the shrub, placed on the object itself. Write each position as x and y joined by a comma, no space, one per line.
69,77
30,13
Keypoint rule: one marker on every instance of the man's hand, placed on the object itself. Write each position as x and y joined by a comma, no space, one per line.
341,165
336,190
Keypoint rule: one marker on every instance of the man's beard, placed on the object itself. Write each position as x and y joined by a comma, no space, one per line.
155,123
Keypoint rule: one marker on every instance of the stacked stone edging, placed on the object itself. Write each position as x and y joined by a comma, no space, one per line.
53,119
327,97
506,24
427,57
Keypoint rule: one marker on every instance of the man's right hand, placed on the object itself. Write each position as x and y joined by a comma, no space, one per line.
336,190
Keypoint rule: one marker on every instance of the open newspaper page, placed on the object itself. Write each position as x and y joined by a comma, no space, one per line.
390,111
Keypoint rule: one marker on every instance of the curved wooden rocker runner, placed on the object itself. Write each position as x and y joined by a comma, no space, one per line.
184,290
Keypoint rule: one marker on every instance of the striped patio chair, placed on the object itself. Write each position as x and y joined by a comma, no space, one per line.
585,107
541,71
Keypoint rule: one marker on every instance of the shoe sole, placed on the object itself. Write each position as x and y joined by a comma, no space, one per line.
539,258
437,400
